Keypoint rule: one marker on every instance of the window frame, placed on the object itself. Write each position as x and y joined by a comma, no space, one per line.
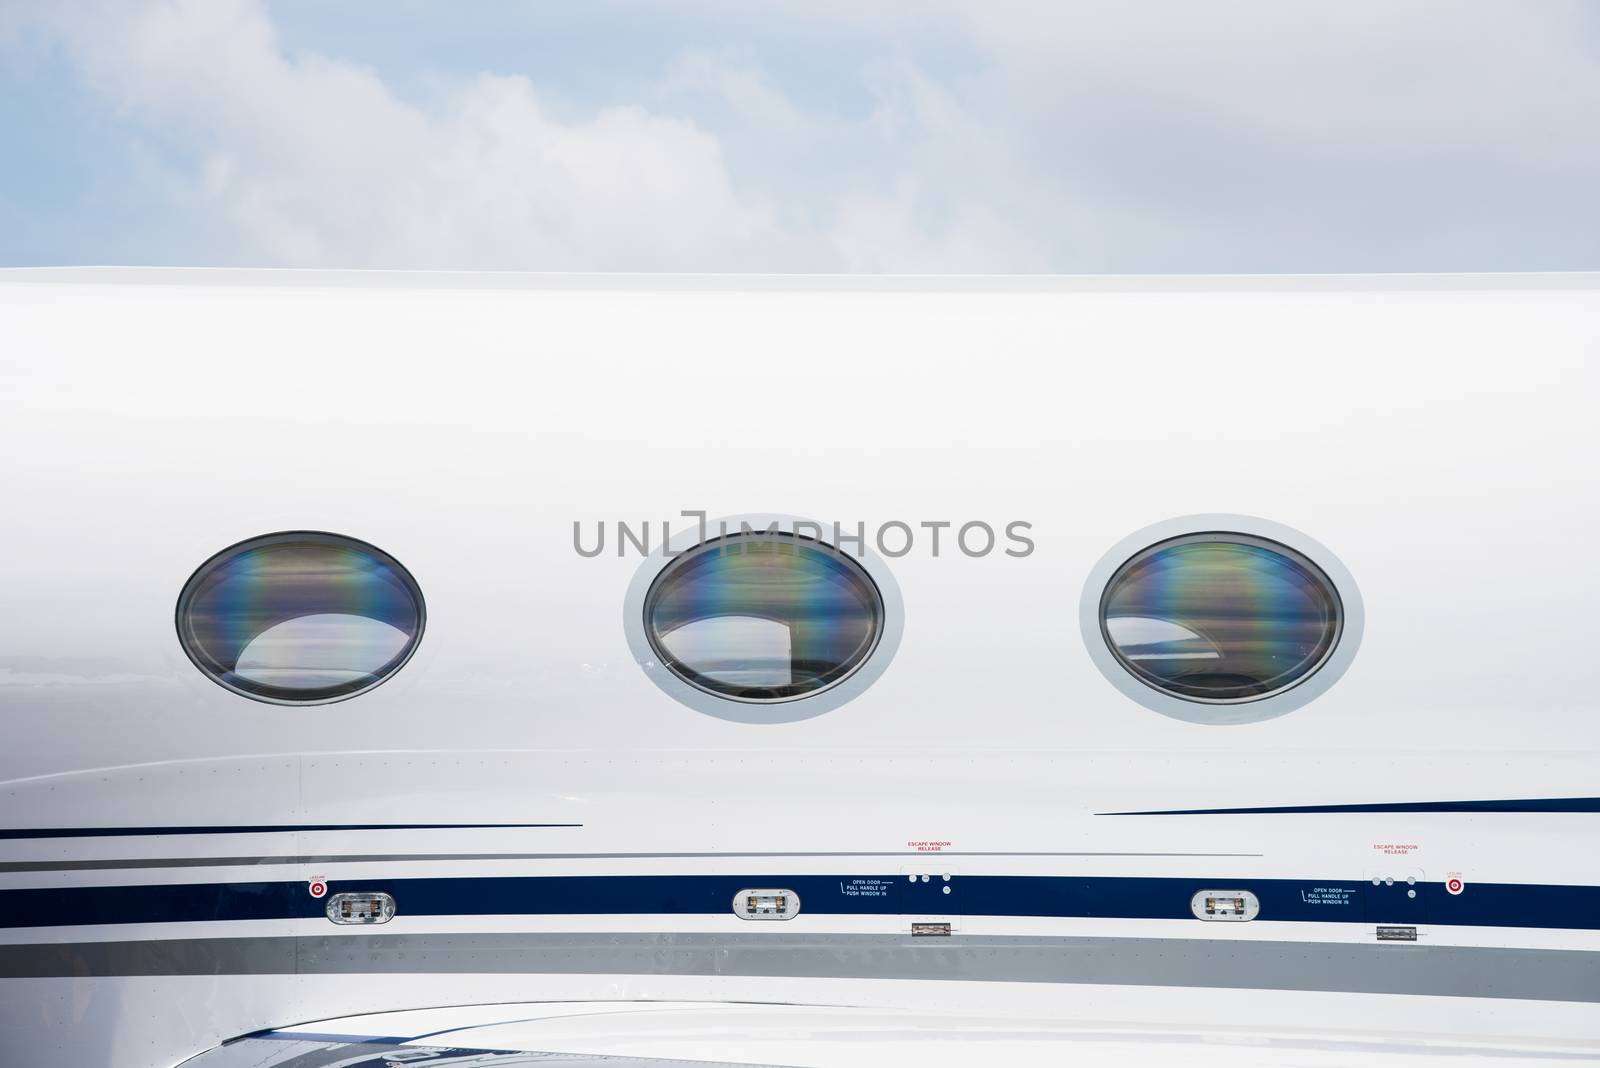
286,537
1302,550
786,709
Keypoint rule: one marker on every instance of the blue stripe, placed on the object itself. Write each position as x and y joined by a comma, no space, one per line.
1538,804
1337,901
130,832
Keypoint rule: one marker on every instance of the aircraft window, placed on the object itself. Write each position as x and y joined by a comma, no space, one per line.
763,616
300,618
1220,618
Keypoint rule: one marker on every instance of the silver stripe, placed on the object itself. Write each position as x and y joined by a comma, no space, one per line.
1458,971
397,858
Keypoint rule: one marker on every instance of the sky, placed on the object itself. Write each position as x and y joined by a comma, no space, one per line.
994,136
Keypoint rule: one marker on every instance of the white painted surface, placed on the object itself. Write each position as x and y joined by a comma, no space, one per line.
1438,437
835,1037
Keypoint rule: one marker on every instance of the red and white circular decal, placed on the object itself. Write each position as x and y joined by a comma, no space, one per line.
1454,884
318,888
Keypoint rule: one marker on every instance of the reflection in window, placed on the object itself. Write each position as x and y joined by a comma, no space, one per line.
317,651
300,618
763,617
1220,617
735,651
1143,638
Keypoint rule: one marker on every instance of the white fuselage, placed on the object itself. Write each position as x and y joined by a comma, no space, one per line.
534,800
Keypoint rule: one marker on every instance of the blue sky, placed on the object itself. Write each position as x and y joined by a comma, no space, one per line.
704,135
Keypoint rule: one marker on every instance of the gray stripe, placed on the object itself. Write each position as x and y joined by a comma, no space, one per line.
1539,974
398,858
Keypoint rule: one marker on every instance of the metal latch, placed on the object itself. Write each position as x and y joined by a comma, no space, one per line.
766,904
361,908
1225,905
1397,934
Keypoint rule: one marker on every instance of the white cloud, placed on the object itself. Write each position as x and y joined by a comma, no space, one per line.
1147,135
905,187
309,161
313,162
1256,134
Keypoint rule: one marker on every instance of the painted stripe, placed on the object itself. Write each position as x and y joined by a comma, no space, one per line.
12,833
1450,971
1537,804
335,1051
398,858
320,1036
850,894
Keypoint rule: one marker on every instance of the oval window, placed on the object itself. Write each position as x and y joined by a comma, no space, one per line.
763,616
300,618
1220,618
